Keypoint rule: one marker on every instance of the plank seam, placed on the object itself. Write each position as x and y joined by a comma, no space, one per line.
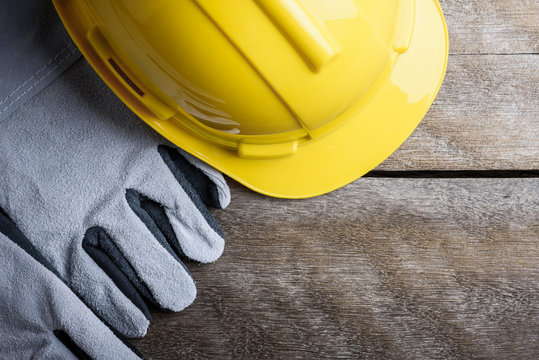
454,174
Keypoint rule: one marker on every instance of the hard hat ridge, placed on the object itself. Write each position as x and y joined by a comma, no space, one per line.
274,93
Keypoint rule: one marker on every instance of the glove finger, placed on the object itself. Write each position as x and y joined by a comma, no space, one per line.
80,331
198,240
99,290
87,340
208,183
89,281
184,220
44,317
92,337
156,266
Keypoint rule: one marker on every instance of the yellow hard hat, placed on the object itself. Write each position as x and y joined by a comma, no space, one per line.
292,98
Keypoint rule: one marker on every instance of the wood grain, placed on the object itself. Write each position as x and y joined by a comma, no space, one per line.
492,27
486,115
382,269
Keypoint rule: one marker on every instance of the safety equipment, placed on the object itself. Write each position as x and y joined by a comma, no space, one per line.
111,205
292,98
35,50
40,316
107,201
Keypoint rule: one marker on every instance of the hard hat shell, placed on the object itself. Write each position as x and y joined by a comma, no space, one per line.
292,98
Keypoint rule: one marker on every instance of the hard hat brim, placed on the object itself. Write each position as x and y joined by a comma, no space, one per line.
370,132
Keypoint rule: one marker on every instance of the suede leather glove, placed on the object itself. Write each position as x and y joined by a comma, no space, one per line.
109,203
35,49
40,317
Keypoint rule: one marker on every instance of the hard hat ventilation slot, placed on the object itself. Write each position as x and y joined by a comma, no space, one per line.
125,77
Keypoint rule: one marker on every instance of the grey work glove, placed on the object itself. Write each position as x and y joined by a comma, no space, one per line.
40,317
34,50
111,208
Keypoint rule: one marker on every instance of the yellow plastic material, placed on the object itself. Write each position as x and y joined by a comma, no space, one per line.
292,98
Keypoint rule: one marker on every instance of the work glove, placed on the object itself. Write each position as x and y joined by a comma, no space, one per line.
107,201
34,50
40,317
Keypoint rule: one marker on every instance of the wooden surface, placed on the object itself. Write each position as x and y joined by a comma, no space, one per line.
384,268
486,115
389,267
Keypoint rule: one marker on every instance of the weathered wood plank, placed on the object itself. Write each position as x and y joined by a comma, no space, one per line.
486,116
492,27
381,269
487,113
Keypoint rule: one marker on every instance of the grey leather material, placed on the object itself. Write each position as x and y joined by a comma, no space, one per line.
35,49
68,158
35,303
69,155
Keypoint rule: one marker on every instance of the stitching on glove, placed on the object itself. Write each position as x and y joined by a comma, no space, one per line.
54,58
